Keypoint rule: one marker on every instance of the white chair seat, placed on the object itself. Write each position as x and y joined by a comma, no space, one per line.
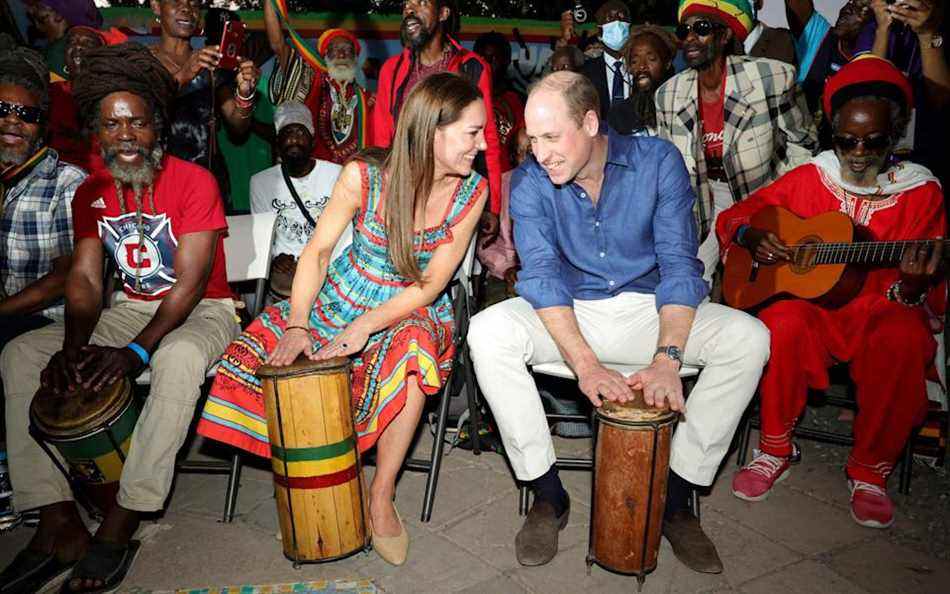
145,378
560,369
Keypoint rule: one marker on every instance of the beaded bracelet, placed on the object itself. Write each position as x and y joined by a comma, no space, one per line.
894,294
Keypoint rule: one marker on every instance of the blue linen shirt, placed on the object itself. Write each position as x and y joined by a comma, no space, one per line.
640,236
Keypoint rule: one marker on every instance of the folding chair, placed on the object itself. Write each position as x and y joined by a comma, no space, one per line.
560,369
247,249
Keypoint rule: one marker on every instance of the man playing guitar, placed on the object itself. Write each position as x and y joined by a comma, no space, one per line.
884,332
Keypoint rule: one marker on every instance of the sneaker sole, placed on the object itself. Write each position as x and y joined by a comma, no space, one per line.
871,523
765,495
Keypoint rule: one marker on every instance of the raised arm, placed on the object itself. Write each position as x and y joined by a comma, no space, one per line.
275,34
798,13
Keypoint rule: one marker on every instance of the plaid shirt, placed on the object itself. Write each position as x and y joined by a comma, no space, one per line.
767,130
36,226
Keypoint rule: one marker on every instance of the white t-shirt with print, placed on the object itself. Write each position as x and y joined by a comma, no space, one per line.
269,193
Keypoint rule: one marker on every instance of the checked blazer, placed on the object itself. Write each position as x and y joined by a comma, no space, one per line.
767,128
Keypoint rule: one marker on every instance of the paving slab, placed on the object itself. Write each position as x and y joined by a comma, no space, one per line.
882,567
745,553
498,585
805,577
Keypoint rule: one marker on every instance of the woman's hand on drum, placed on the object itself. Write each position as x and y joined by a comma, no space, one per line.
351,340
294,341
599,383
661,384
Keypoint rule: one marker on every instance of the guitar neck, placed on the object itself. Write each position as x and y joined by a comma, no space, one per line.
862,252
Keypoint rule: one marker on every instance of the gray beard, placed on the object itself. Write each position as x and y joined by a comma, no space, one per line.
15,158
342,71
137,176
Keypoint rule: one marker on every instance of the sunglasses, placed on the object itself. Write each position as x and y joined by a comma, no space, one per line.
27,115
701,28
872,143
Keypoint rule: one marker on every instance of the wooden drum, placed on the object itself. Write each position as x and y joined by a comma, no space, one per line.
91,431
631,464
317,472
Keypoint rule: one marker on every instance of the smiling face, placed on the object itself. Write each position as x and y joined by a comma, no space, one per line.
179,18
457,144
559,144
78,42
127,135
47,21
702,51
18,139
868,121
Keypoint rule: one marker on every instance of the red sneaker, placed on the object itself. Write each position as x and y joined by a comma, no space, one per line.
870,505
755,480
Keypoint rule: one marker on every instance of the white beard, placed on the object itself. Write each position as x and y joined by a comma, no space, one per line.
342,71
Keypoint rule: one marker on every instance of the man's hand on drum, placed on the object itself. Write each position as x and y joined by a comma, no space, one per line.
103,366
295,340
661,384
351,340
599,383
62,372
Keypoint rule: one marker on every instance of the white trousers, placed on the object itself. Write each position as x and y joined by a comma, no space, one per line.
708,252
732,347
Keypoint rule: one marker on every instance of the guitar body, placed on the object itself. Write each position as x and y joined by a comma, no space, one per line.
747,283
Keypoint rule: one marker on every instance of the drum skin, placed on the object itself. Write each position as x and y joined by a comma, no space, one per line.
317,472
85,427
632,459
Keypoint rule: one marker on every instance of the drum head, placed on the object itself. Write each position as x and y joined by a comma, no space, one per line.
281,283
635,411
304,366
74,413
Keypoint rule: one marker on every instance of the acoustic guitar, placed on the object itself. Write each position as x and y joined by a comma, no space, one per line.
826,261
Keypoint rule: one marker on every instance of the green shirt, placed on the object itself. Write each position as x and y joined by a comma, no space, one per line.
55,55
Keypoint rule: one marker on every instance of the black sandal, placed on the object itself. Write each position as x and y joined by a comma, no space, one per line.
31,571
104,562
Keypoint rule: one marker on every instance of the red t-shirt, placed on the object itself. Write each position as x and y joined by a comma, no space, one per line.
711,115
187,200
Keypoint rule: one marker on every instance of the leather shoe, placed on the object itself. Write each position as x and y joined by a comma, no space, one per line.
690,544
536,543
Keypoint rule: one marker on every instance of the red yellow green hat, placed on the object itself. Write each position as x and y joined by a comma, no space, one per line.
330,34
735,14
867,75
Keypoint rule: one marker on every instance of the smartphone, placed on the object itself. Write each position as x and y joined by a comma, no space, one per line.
232,44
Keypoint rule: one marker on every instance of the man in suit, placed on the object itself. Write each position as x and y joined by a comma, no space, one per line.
740,122
608,71
775,43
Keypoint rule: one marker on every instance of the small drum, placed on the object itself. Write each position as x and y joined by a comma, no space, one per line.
631,464
317,471
281,283
92,432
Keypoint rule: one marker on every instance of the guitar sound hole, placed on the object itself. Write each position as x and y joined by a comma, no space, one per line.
805,256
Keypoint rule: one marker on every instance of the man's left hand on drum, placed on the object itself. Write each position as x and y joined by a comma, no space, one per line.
90,367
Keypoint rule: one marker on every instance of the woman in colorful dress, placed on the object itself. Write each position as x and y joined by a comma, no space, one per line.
382,300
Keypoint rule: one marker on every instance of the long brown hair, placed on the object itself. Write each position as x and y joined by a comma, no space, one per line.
435,102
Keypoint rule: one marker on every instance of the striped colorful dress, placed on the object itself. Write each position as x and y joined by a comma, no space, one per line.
360,279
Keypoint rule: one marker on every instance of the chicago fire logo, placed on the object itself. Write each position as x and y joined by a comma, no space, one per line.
154,261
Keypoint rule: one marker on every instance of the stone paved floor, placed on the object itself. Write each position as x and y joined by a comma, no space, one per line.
800,540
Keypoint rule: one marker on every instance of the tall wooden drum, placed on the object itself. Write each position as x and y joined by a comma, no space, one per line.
631,464
317,472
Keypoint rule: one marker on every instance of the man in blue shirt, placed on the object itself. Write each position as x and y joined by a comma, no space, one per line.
604,228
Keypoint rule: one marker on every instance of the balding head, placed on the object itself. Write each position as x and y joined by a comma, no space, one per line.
575,89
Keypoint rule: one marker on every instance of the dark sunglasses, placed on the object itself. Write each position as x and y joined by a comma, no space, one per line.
873,143
701,28
27,115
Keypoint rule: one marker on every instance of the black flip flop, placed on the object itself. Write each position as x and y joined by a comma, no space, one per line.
105,562
31,571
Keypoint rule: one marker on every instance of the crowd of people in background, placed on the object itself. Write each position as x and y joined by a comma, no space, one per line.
111,149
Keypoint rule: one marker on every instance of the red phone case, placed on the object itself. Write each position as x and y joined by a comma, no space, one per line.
232,45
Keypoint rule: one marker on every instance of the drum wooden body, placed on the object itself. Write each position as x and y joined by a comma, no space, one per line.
631,464
91,430
317,472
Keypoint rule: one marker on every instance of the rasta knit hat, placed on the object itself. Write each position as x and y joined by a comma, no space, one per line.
735,14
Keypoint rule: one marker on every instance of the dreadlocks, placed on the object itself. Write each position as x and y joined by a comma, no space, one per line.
129,68
24,67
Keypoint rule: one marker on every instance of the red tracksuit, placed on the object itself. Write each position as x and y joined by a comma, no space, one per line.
390,93
889,346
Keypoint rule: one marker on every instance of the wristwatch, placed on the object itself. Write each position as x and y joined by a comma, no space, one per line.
673,352
936,41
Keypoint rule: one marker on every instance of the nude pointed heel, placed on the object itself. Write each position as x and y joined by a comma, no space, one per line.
393,549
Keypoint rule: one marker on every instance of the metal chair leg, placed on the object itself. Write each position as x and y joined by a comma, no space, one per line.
743,453
234,483
523,500
694,503
435,462
907,465
474,409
